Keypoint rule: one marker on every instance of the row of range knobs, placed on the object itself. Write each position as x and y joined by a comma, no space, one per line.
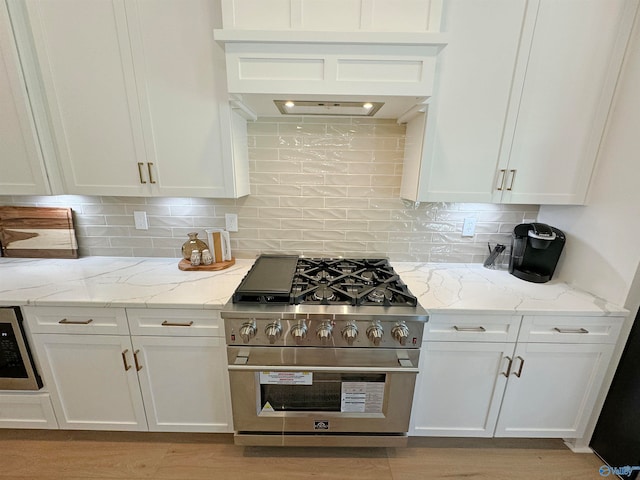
375,332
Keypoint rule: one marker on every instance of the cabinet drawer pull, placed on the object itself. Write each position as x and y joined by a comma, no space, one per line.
149,165
469,329
167,323
135,359
513,176
571,330
503,174
506,374
140,164
124,360
64,321
519,372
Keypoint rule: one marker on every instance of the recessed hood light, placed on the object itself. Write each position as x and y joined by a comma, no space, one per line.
330,108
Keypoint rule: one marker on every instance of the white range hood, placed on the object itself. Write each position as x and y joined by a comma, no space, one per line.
314,62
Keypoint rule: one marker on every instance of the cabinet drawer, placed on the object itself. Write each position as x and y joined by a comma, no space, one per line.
175,322
472,328
570,329
27,410
89,320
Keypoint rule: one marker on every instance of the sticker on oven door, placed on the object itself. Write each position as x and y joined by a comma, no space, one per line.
286,378
267,407
363,397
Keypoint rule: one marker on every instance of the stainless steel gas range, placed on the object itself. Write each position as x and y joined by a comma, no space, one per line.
322,352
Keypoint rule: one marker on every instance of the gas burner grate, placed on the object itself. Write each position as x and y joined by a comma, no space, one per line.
349,282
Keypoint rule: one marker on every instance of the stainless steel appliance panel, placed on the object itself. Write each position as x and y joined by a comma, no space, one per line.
17,369
317,376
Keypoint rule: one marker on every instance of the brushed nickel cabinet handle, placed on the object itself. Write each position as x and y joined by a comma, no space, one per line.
503,174
513,176
519,372
149,165
124,360
506,374
140,164
64,321
167,323
469,329
135,359
571,330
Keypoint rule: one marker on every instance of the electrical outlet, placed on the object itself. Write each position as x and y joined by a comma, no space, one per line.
469,227
231,222
140,219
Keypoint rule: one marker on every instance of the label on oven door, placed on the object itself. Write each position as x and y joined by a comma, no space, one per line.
286,378
363,397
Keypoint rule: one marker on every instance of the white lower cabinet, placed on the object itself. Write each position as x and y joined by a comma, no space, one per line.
172,381
27,410
459,388
92,381
544,387
184,384
555,391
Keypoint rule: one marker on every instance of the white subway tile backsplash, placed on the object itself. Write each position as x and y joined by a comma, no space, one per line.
319,186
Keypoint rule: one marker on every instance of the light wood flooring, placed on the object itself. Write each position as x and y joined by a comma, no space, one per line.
65,455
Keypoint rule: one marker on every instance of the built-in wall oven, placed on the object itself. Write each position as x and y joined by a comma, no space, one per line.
322,352
17,368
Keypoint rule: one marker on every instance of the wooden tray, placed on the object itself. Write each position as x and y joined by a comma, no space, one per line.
186,265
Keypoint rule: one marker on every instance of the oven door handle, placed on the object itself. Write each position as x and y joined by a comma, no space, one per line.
299,368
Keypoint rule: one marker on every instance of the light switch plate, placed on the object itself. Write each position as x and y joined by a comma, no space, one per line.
140,219
231,222
469,227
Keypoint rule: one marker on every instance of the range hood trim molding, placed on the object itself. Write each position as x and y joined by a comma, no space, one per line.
224,36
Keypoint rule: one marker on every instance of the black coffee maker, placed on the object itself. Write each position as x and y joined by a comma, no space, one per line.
535,251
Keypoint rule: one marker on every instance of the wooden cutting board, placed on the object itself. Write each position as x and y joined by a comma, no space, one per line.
37,232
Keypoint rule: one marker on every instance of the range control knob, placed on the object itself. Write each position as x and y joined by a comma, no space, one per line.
324,332
374,333
273,332
349,333
400,333
299,332
247,331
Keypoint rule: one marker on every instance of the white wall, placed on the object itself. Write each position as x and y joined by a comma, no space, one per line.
602,253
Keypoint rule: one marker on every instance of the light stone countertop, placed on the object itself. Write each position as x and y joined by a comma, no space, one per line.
158,283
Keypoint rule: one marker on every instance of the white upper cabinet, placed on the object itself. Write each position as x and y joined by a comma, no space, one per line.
521,101
180,75
134,99
87,73
21,162
456,159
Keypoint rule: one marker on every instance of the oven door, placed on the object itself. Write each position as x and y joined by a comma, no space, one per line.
322,390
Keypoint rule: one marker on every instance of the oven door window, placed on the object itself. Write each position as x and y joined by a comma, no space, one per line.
321,392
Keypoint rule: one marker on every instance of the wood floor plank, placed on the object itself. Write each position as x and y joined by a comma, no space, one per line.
493,464
72,455
232,462
84,459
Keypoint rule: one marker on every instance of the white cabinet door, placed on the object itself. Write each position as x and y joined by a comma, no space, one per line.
466,117
556,390
85,61
21,162
92,380
137,97
184,383
562,93
180,74
521,100
459,389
